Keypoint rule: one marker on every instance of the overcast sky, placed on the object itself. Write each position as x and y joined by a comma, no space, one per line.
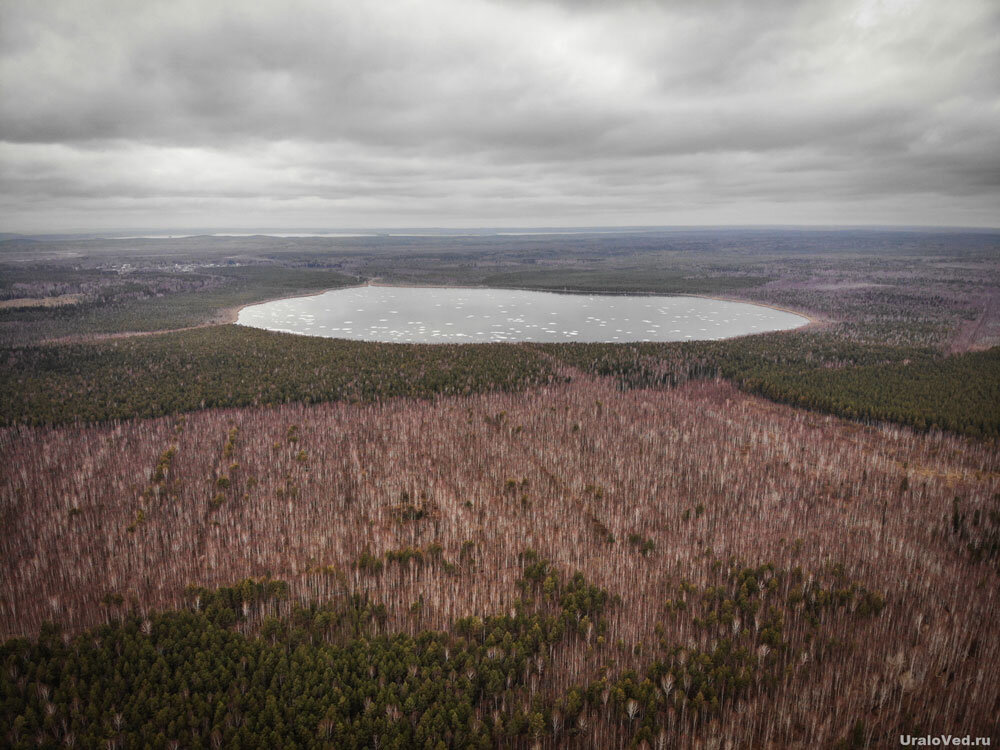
465,113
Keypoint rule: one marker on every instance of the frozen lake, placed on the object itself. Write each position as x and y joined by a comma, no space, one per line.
461,316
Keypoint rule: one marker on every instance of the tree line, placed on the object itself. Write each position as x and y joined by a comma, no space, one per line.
233,366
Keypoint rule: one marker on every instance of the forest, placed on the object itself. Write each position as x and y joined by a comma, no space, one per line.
207,368
224,366
573,566
917,387
218,536
324,676
321,677
105,301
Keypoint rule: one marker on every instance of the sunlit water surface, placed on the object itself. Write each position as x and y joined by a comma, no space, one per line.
458,315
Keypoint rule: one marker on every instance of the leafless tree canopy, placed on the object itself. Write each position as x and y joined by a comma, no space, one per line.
645,492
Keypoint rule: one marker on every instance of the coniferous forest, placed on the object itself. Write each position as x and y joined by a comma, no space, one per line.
217,536
234,366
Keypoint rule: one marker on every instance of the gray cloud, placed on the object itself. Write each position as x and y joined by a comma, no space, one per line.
468,112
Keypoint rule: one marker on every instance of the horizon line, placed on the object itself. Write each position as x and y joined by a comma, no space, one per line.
179,232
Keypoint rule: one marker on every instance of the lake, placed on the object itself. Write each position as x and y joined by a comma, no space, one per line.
461,315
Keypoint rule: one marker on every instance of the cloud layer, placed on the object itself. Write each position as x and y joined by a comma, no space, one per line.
472,113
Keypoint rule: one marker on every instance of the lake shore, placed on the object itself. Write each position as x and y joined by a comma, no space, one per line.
590,318
230,315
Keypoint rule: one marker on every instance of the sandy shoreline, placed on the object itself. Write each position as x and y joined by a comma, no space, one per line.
814,321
